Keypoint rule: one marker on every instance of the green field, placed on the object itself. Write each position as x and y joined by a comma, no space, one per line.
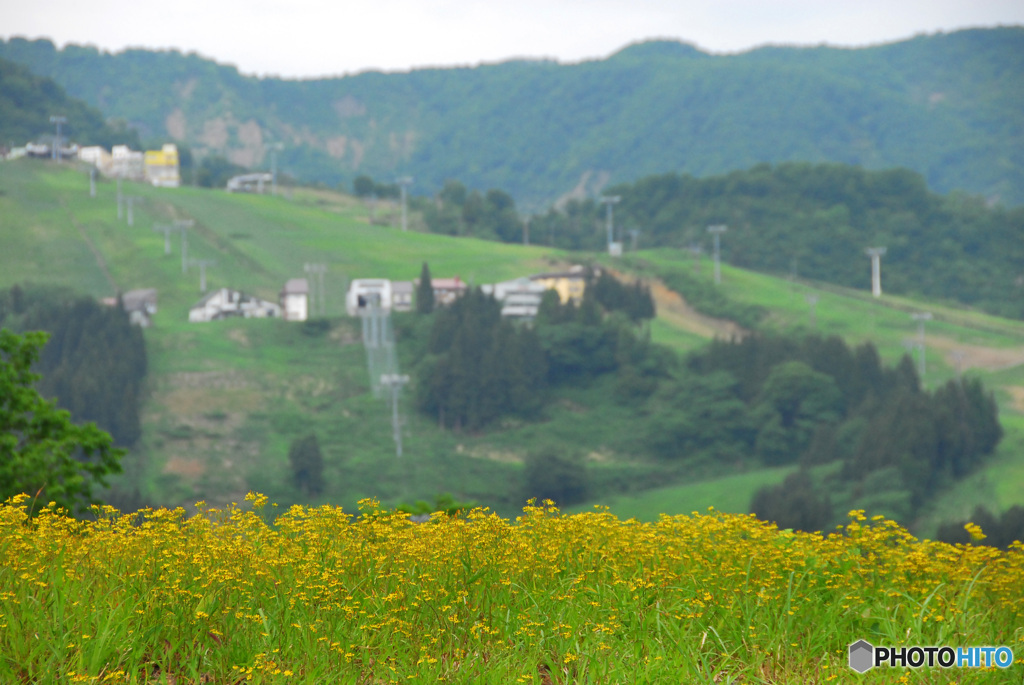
225,399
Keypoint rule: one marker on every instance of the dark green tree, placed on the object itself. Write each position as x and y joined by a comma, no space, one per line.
555,476
41,451
307,464
425,292
796,503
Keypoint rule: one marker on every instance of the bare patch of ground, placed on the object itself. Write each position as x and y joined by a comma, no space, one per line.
976,356
336,146
175,124
308,386
239,336
348,107
503,456
673,309
215,133
189,468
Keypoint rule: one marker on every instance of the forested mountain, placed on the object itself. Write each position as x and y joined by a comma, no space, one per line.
950,106
28,101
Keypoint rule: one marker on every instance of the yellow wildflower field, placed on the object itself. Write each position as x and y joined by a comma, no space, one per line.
315,595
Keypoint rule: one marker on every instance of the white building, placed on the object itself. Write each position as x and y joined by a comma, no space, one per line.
363,291
295,299
519,298
127,163
401,296
97,156
226,303
249,183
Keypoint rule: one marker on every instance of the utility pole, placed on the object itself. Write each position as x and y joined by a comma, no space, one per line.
526,231
202,264
696,250
167,229
57,119
130,199
921,318
634,233
120,200
717,230
316,272
403,183
395,382
958,360
274,148
608,201
183,225
876,269
813,301
92,182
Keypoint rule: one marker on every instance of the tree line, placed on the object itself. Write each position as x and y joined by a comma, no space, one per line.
94,362
796,219
477,367
815,401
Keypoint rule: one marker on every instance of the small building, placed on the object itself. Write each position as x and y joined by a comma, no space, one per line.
226,303
249,183
520,298
295,300
127,163
447,290
569,285
97,156
161,167
401,296
140,305
363,292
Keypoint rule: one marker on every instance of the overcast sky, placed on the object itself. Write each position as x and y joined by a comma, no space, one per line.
306,38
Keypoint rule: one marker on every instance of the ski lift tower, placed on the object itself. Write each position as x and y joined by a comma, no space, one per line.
717,230
614,248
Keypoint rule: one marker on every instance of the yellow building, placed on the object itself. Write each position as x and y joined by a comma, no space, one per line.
162,168
570,285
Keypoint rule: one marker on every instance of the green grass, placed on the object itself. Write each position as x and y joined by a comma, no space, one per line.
729,494
225,399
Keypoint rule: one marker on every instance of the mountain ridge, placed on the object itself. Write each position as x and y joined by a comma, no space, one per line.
946,105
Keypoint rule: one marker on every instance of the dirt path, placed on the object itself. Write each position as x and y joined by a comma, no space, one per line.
673,309
976,356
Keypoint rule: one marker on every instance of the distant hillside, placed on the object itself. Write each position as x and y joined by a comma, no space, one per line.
28,101
948,106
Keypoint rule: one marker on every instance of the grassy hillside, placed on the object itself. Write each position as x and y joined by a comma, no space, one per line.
225,399
947,106
981,345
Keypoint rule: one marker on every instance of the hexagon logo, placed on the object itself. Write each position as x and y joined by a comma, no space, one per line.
862,656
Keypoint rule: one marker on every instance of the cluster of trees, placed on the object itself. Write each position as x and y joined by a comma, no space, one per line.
950,247
478,367
306,462
813,401
614,296
95,361
365,187
808,219
459,211
27,101
42,453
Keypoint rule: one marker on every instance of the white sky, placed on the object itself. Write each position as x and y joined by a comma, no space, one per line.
306,38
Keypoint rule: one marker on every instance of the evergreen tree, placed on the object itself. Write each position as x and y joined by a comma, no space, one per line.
558,477
307,464
42,453
425,292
